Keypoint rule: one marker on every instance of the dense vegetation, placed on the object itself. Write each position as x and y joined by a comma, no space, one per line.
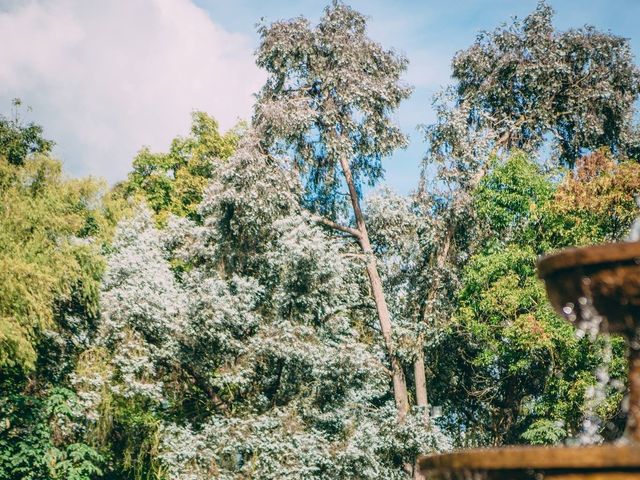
237,308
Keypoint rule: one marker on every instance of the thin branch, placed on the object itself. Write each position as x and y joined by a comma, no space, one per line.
336,226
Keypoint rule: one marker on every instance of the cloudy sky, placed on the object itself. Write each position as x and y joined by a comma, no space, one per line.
107,77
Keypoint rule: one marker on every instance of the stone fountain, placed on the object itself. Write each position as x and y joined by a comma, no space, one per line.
604,279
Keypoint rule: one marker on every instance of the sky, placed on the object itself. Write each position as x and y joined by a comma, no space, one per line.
106,78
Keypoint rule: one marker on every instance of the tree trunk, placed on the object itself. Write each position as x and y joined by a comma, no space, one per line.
418,364
440,260
399,382
416,472
421,383
421,397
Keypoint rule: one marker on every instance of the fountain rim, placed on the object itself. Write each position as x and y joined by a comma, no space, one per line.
535,457
601,254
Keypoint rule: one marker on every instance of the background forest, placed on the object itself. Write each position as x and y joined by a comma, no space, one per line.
246,305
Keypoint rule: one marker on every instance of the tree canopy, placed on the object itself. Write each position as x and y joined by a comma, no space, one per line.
527,81
173,182
19,140
52,234
329,95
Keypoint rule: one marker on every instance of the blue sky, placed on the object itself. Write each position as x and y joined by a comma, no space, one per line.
104,86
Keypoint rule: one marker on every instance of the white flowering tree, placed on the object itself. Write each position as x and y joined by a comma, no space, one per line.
302,389
306,384
241,347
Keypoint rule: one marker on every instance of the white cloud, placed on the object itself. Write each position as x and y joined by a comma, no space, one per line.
106,77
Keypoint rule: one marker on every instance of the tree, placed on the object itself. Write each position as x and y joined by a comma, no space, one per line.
526,81
517,87
52,233
18,141
519,373
308,281
238,347
298,355
50,260
120,376
327,103
173,182
400,232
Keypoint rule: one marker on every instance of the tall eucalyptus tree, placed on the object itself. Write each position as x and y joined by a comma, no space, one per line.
528,82
327,104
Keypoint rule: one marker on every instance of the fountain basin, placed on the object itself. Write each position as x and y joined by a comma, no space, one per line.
604,276
603,462
601,280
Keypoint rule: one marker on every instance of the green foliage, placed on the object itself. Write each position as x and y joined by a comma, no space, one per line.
509,198
521,373
18,141
134,440
173,182
37,439
240,340
544,432
512,371
47,256
78,462
52,233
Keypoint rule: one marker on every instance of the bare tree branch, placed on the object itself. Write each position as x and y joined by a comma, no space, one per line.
336,226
